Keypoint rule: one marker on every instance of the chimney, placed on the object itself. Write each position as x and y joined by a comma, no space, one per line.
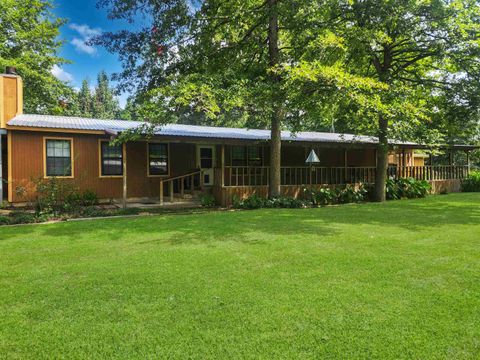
11,96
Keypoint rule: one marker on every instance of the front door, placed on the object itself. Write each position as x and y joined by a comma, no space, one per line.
206,162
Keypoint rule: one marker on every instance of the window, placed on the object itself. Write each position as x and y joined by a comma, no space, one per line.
206,158
58,157
157,159
111,159
238,156
246,155
254,156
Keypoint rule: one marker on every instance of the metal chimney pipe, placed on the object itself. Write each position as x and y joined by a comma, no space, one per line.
10,70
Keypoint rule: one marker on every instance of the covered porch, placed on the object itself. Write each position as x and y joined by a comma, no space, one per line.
238,169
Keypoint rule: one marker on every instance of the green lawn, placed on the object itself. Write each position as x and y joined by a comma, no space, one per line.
394,280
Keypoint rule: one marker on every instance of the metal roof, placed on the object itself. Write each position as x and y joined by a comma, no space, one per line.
116,126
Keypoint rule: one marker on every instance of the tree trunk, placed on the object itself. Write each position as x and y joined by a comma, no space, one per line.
382,159
277,104
275,158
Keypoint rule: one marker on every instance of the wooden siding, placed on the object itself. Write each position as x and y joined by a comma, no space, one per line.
28,165
10,97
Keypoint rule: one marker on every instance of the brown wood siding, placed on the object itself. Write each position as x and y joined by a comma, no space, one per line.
9,98
27,166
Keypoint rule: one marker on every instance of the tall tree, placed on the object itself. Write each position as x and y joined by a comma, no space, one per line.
84,100
405,45
29,41
221,59
105,104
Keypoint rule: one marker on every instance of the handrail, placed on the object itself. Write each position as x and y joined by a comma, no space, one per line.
182,183
181,176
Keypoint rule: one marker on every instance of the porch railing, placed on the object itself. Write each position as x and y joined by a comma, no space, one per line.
179,184
259,176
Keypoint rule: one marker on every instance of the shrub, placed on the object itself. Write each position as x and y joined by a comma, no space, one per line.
321,197
89,198
57,196
256,202
207,200
350,195
285,202
252,202
326,196
20,217
472,182
406,188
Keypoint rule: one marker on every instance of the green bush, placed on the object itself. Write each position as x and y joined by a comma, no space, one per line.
58,196
406,188
285,202
472,182
89,198
256,202
207,200
327,196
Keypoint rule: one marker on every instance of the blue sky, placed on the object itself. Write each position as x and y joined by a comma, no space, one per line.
83,21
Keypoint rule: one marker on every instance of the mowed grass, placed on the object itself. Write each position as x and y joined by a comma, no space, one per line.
385,281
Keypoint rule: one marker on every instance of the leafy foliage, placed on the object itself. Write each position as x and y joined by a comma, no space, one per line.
101,103
406,188
207,200
57,196
472,182
29,41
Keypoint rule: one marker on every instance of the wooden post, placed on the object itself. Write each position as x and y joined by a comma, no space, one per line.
345,161
161,192
431,166
468,162
182,187
171,190
222,165
124,197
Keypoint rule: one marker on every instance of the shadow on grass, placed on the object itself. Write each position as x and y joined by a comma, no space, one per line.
249,226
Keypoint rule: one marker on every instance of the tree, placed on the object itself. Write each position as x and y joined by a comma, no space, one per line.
29,41
101,103
84,100
105,105
407,46
221,59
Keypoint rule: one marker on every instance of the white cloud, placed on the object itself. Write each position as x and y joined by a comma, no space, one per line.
61,74
82,47
85,33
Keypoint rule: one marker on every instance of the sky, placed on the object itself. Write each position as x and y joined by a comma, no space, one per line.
84,20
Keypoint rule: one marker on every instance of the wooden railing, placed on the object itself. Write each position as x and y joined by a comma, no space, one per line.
437,172
259,176
184,182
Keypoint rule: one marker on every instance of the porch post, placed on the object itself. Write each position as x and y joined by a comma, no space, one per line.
222,165
431,166
345,162
468,162
124,197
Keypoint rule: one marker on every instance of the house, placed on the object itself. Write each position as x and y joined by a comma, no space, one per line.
180,160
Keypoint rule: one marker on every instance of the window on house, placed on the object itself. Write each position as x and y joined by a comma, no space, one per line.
157,159
112,159
58,157
254,156
238,156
